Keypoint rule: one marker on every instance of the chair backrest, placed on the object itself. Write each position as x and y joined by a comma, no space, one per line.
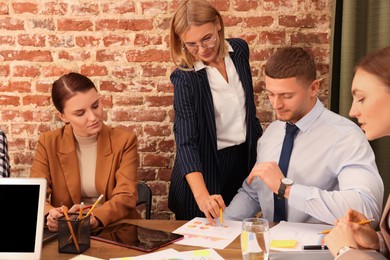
145,197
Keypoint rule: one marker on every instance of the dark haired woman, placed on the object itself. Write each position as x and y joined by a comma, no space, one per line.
86,158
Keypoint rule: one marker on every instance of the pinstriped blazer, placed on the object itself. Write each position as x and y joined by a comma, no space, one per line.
195,131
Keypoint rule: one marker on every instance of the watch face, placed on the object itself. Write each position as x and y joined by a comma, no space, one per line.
287,181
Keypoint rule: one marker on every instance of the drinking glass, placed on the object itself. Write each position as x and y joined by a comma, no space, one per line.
255,239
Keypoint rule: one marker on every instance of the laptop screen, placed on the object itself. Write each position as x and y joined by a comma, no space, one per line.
22,201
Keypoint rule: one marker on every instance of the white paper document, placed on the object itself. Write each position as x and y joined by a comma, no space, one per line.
170,254
302,233
199,232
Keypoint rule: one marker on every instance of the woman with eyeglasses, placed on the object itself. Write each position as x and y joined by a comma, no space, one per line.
371,106
215,126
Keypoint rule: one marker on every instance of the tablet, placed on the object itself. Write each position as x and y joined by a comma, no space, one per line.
135,237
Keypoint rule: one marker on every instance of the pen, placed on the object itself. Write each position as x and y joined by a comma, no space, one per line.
315,247
363,222
85,207
65,210
221,216
94,205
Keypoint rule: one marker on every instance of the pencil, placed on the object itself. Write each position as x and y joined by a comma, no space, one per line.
65,209
363,222
221,216
81,210
94,205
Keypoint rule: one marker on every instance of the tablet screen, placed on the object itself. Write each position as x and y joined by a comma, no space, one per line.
135,237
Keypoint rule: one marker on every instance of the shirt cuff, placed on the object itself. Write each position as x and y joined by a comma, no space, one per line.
382,245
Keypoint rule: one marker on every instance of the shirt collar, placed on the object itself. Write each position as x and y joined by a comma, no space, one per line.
198,65
305,122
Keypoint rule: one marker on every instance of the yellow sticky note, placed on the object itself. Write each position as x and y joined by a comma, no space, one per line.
203,252
244,241
283,243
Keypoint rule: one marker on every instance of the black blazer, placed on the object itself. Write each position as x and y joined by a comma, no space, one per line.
195,130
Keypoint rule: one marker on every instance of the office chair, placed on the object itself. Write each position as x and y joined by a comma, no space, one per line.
145,197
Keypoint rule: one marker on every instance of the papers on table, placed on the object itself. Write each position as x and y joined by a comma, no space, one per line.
199,232
290,236
173,254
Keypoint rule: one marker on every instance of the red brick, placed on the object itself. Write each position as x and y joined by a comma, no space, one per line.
128,25
153,71
220,5
119,7
273,38
145,146
75,55
36,116
38,100
31,40
26,71
22,158
153,7
94,70
159,101
108,55
128,101
22,8
19,86
55,8
74,25
82,9
116,40
47,24
54,71
139,116
87,41
278,5
165,87
4,8
310,38
156,160
20,128
164,174
4,70
158,130
9,23
123,72
43,86
246,5
261,21
148,174
166,146
6,100
7,40
148,56
112,86
147,40
37,56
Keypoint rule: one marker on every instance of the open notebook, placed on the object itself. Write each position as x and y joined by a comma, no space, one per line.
22,202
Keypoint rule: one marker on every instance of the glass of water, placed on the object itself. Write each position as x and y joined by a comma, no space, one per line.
255,239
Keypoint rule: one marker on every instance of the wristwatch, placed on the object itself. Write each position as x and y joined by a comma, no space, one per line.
284,182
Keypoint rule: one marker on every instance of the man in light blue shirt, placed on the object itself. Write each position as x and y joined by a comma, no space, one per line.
332,166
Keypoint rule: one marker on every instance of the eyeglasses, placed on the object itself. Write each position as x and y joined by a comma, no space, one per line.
207,43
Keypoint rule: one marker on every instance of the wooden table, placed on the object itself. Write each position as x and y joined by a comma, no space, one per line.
106,251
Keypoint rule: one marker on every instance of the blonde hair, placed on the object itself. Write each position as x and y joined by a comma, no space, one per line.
189,13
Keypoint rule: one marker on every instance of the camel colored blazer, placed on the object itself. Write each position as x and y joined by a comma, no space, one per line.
116,171
385,231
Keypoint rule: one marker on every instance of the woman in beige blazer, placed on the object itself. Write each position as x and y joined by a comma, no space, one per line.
85,158
371,106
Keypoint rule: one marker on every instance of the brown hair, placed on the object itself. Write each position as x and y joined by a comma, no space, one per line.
67,86
189,13
291,62
378,64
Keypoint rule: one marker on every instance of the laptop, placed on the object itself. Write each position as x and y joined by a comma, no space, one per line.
22,202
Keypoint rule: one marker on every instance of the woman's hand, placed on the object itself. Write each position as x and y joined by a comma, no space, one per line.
364,235
210,205
93,222
340,236
51,219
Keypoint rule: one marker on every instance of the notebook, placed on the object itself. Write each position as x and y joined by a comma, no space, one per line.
22,202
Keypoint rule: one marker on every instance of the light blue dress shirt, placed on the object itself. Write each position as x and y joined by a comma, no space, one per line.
333,168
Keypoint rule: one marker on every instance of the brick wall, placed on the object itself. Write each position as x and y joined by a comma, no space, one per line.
122,46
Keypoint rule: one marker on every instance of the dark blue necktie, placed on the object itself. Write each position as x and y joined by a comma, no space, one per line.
288,142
